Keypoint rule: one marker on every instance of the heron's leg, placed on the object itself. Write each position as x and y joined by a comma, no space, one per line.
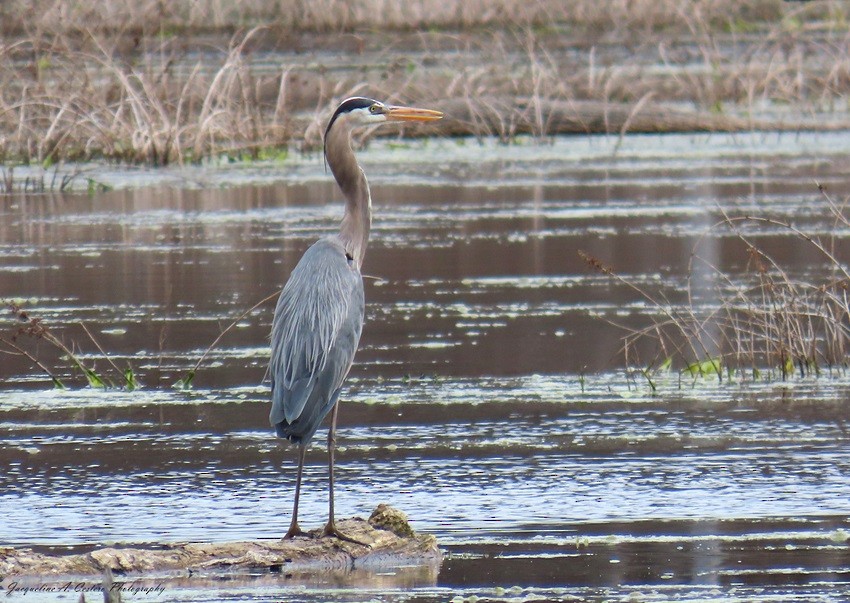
294,529
330,528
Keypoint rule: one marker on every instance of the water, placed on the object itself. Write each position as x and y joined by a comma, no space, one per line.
486,401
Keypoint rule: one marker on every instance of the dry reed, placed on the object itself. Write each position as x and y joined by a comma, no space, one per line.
140,17
158,82
765,324
33,329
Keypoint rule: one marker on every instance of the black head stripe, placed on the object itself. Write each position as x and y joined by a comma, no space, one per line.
349,104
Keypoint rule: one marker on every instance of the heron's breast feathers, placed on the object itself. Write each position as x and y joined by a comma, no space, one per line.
316,327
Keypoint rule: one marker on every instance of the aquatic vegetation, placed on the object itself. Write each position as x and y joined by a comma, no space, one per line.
42,182
32,328
772,324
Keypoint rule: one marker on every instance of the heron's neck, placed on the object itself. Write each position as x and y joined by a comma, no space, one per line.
354,231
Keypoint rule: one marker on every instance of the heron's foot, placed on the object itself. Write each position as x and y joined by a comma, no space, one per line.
294,530
331,530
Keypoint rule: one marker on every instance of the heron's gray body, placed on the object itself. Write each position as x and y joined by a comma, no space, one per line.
319,315
315,334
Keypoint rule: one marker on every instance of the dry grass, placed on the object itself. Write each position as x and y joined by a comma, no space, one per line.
765,324
146,17
159,82
23,340
82,103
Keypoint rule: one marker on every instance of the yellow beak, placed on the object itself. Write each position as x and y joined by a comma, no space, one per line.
412,114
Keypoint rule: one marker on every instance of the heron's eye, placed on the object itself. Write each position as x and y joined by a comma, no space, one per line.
349,257
375,109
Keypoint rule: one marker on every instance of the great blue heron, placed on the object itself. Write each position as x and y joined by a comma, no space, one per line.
319,315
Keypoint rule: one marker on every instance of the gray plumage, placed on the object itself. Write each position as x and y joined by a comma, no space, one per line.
315,334
319,315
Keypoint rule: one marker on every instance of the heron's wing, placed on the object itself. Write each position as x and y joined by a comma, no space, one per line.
315,333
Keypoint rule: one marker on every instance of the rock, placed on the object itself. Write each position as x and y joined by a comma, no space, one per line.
385,517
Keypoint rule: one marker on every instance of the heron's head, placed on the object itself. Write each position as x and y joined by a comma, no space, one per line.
363,111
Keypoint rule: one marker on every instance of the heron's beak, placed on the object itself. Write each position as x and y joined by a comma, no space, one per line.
412,114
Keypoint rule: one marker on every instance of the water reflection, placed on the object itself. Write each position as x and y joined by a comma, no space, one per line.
482,402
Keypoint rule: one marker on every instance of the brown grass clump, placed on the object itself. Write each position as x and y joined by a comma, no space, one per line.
159,82
767,324
92,101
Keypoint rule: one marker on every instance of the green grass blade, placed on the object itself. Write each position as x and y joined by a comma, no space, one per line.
130,383
94,379
185,382
710,367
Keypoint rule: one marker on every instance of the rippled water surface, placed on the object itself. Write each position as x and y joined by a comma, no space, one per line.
487,400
